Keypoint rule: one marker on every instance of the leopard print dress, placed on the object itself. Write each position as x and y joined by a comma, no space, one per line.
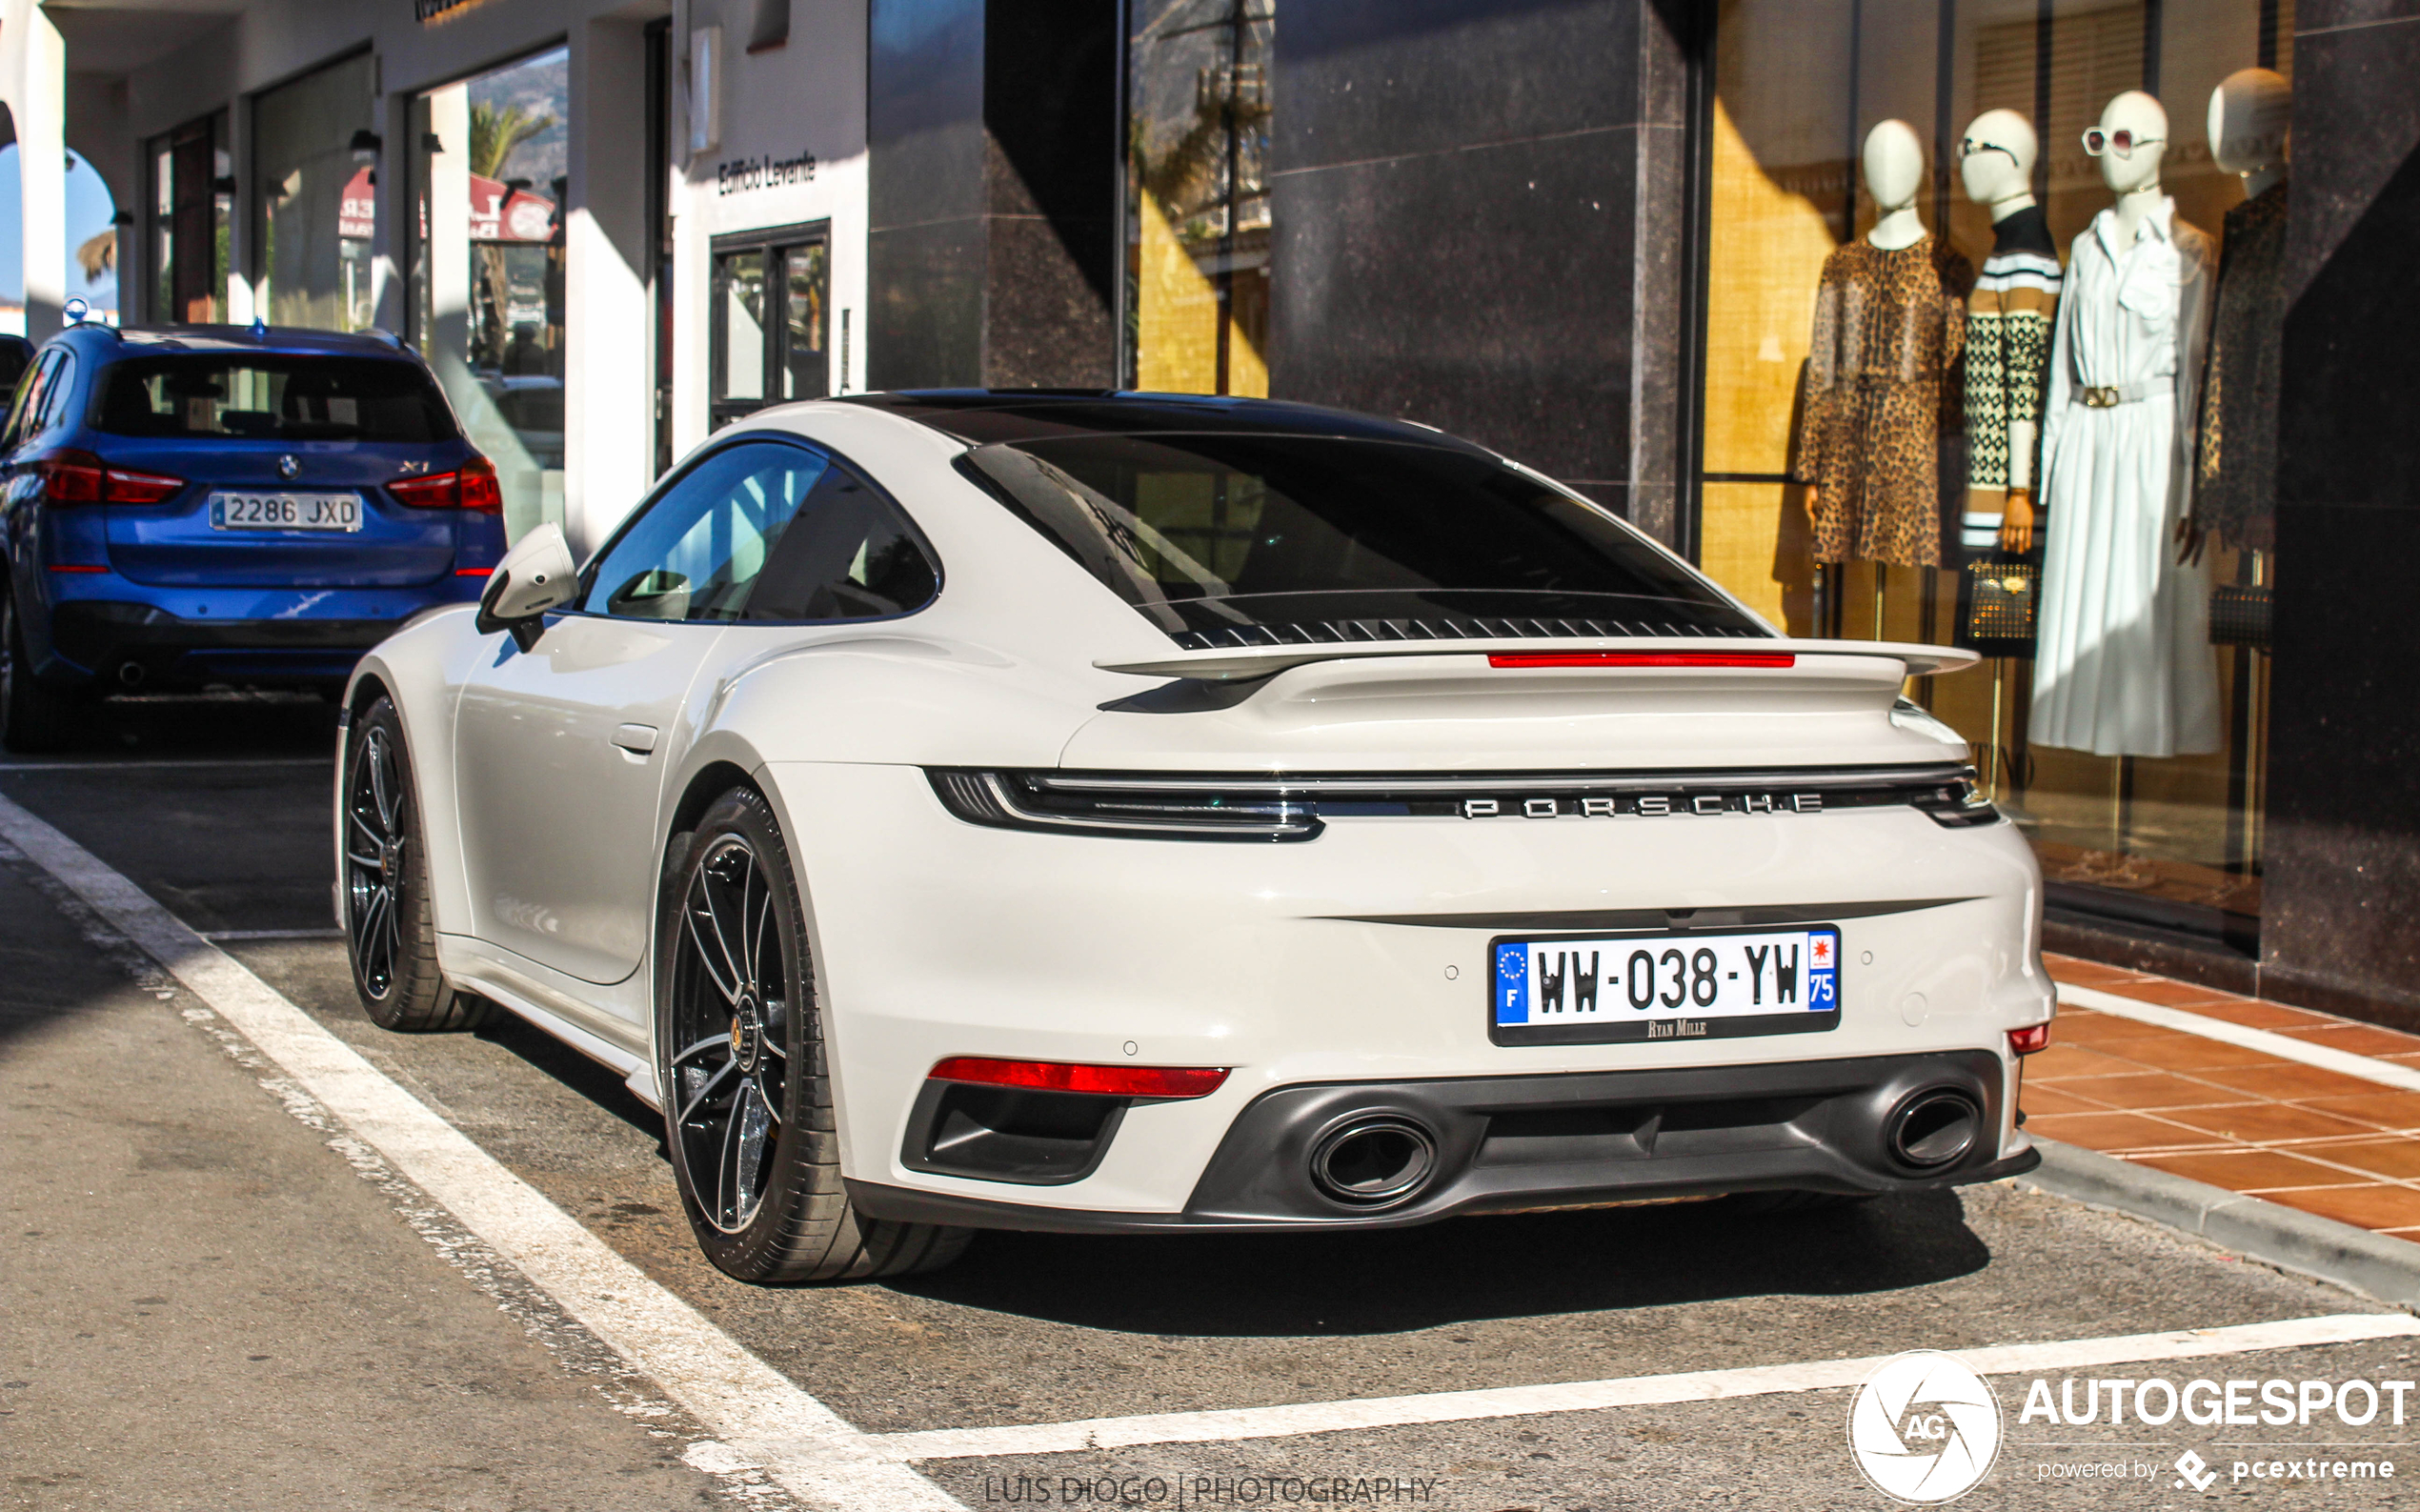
1889,327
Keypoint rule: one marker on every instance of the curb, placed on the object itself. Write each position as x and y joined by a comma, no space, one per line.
2372,1264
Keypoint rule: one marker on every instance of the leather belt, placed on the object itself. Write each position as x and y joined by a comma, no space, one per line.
2109,398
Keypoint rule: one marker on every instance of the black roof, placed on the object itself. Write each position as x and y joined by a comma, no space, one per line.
981,416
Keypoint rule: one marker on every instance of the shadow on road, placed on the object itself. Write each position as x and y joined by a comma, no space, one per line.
247,725
1466,1270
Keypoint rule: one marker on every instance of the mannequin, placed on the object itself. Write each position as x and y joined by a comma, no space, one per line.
2235,475
2123,664
1889,324
1894,161
2009,324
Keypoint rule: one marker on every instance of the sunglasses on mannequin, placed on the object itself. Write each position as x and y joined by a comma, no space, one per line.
1971,148
2121,141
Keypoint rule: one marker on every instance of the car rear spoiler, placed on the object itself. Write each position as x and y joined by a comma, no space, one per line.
1251,663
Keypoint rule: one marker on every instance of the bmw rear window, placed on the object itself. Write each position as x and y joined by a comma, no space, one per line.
292,398
1233,538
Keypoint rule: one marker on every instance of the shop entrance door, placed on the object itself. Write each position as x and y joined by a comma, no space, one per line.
770,340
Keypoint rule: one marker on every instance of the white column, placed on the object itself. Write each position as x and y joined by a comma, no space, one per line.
42,161
608,381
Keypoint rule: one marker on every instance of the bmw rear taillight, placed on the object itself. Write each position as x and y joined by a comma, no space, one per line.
472,486
79,477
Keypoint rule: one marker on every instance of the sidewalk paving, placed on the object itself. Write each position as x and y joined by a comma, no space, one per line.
2331,1144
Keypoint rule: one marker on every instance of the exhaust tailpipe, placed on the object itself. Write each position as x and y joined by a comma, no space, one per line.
131,674
1372,1163
1934,1128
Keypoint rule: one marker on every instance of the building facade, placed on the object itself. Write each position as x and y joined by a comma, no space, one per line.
1754,273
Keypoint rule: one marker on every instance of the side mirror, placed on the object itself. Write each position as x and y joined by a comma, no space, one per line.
536,575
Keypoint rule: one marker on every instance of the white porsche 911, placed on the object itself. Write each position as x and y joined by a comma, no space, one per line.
1142,813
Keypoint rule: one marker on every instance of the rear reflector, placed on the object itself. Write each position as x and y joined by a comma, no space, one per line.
1643,659
1054,1076
2030,1040
76,567
474,572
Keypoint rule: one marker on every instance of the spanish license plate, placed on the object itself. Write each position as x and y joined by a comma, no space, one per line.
1596,989
285,512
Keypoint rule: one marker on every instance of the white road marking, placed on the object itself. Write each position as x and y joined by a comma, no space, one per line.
762,1415
1636,1391
2284,1047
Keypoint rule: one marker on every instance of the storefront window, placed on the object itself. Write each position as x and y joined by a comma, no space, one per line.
1952,394
313,224
193,203
772,320
487,268
1198,125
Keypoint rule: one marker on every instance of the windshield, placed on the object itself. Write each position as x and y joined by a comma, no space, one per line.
298,398
1242,539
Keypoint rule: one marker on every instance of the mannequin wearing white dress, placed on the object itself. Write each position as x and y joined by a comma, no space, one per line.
2122,665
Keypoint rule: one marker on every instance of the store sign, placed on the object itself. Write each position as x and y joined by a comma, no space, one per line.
499,212
357,210
739,175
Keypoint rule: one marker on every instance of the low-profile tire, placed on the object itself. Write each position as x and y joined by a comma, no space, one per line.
389,934
33,719
739,1058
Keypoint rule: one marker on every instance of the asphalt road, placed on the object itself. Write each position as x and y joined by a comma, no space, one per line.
205,1304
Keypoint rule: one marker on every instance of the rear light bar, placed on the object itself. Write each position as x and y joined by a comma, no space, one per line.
2029,1040
472,486
1056,1076
1284,807
79,477
1134,809
1643,659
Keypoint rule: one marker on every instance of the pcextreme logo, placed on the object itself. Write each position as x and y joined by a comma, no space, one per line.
1924,1428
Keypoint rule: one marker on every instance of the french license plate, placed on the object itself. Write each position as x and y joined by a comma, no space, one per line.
285,512
1596,989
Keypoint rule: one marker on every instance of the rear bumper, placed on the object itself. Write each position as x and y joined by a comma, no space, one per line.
1527,1142
99,639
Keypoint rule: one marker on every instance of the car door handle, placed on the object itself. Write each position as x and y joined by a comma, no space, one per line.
637,738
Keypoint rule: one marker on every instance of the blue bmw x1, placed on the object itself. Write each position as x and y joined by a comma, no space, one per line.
185,506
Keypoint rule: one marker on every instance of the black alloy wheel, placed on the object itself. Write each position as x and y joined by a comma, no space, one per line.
389,934
748,1115
33,718
731,1017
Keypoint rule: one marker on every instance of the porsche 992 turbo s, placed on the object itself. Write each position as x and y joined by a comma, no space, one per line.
1144,814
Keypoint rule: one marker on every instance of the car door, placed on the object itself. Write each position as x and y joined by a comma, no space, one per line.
561,751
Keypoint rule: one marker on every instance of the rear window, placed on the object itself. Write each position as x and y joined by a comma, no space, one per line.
298,398
1246,539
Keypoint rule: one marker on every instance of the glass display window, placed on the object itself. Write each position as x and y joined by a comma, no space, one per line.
489,158
192,202
1199,110
2000,411
769,334
311,220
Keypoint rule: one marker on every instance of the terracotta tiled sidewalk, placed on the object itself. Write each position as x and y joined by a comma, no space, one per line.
2297,1134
